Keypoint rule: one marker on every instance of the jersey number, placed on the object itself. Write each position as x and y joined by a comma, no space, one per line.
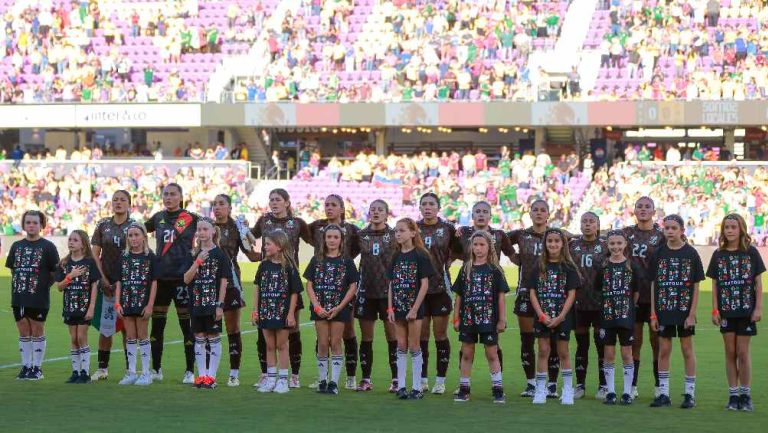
168,236
116,241
376,249
428,241
586,261
537,247
639,250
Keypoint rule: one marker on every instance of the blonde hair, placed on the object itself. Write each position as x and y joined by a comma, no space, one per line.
285,258
85,240
493,259
745,240
216,234
565,253
145,247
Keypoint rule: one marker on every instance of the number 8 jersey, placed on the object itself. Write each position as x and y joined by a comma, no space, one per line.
643,244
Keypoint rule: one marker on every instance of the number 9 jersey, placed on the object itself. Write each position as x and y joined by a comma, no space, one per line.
642,244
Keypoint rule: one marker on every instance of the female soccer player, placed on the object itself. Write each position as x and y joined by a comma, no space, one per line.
208,272
408,284
480,312
377,246
174,229
233,238
737,300
644,238
32,261
77,276
588,251
108,244
331,286
274,307
676,271
552,296
135,291
440,240
617,281
334,214
280,218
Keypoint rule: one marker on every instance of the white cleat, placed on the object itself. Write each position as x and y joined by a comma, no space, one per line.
424,384
281,387
579,392
313,385
269,385
601,393
351,383
567,397
128,379
144,380
262,381
634,392
157,375
100,374
439,388
656,392
233,382
540,397
294,382
189,378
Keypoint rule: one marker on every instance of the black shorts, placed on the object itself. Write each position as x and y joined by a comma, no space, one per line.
233,298
587,319
561,332
36,314
344,316
523,306
76,321
400,316
643,313
487,338
172,290
608,336
679,331
437,304
742,326
206,325
371,309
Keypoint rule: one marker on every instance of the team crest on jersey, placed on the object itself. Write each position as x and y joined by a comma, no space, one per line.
269,222
577,248
289,224
598,249
602,333
386,237
440,232
654,239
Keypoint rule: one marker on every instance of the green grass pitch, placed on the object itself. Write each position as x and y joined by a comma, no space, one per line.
52,405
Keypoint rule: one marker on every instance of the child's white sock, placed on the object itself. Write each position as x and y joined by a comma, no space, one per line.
417,362
609,370
336,362
322,368
213,365
629,373
202,369
131,348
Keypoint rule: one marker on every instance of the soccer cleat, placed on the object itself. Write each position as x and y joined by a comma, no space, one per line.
610,399
99,374
530,391
322,387
688,402
36,374
128,379
23,373
393,387
157,375
313,385
601,393
365,385
74,378
579,391
635,394
268,385
661,401
540,396
498,395
144,380
282,386
745,403
734,403
332,389
293,382
424,384
438,389
656,391
567,396
626,399
209,382
198,382
552,390
351,383
189,378
416,394
84,377
402,394
261,382
233,382
463,394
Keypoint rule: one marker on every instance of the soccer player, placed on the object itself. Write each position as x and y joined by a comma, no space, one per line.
77,276
331,286
676,271
208,272
334,214
377,246
274,307
32,261
552,296
174,229
588,251
281,218
644,238
480,312
233,238
108,244
408,284
737,300
440,240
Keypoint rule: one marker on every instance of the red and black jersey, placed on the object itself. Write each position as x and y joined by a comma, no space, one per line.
501,243
351,232
110,237
642,244
174,234
377,248
588,256
529,247
440,240
294,227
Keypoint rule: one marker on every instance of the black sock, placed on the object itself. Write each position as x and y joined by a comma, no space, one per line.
527,355
582,358
554,360
294,351
350,355
424,357
261,348
189,341
443,351
600,355
656,372
103,357
637,369
392,351
501,358
235,350
366,358
156,338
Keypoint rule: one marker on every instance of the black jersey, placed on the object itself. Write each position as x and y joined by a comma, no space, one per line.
588,256
674,273
111,238
501,243
617,284
735,274
553,286
529,248
405,275
32,264
276,285
479,292
377,248
137,272
440,241
331,278
642,245
204,288
174,233
295,228
350,231
77,294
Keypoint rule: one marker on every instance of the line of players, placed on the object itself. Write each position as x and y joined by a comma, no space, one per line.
403,281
